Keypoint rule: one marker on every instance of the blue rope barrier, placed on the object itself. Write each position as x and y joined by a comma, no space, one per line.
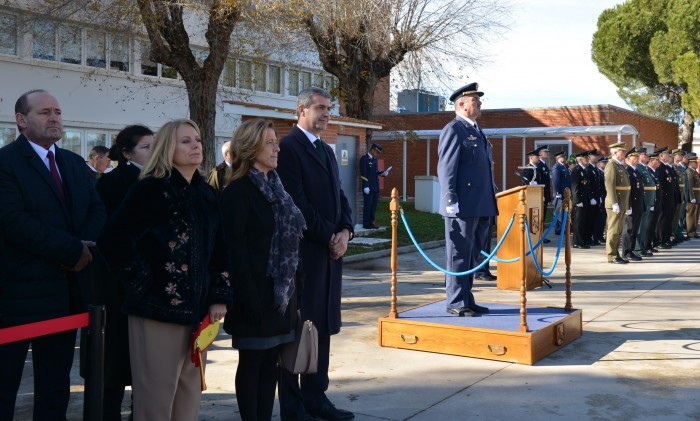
556,256
539,243
445,271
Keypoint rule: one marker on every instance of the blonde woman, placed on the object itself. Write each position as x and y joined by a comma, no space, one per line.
164,242
263,228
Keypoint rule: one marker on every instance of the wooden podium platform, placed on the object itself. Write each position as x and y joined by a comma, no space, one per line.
513,333
493,336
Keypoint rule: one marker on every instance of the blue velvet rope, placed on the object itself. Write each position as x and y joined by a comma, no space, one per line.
515,259
556,257
445,271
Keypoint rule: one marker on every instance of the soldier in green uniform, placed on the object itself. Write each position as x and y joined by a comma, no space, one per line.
649,199
617,201
691,216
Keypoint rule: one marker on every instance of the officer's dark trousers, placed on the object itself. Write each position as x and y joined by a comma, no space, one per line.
464,238
370,208
629,232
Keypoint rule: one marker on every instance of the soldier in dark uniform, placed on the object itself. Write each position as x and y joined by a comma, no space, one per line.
669,186
680,166
694,190
581,197
649,182
530,174
634,219
545,175
602,216
561,179
595,181
655,213
369,174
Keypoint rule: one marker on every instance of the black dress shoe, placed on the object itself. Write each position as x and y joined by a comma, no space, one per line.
653,250
647,254
461,312
546,240
484,277
478,309
329,412
665,246
633,257
576,246
618,261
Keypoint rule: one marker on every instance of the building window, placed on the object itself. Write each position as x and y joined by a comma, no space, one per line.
119,53
8,34
293,82
275,79
168,72
94,139
7,135
245,74
229,74
305,80
44,40
260,77
95,49
148,67
71,141
70,40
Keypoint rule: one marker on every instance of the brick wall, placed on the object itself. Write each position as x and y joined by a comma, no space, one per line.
660,132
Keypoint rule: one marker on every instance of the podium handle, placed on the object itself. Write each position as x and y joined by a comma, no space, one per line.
409,339
498,349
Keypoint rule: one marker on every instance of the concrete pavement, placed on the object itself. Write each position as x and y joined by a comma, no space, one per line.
638,358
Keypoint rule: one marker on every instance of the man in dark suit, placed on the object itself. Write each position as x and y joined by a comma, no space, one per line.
581,199
561,179
369,174
309,172
545,176
217,175
50,216
465,170
671,196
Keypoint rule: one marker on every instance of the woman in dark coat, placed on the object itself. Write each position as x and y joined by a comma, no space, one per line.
131,150
165,243
263,228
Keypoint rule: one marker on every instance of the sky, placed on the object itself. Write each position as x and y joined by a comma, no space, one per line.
544,59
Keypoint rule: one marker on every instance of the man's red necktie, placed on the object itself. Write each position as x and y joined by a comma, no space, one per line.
54,173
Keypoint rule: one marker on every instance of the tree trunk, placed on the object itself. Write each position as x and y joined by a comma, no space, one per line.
687,131
201,94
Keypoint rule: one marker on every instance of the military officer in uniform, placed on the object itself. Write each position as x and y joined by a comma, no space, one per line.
617,201
649,183
369,174
691,217
594,181
581,197
601,217
530,173
671,196
680,166
630,227
655,214
561,179
467,196
545,175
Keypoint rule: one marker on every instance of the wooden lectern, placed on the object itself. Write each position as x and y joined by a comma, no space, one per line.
511,274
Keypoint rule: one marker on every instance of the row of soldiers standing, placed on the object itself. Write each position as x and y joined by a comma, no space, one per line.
635,202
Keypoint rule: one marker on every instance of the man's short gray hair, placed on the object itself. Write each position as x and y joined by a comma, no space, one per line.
225,148
305,97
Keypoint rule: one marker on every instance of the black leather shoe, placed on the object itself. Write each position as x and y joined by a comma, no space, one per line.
653,250
647,254
484,277
304,416
461,312
576,246
618,261
478,309
329,412
665,246
633,257
546,241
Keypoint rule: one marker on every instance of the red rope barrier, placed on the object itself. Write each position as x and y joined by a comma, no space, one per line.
46,327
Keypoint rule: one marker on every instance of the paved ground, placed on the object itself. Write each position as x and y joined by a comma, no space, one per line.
638,359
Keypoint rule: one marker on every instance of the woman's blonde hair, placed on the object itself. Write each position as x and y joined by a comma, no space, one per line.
247,141
160,164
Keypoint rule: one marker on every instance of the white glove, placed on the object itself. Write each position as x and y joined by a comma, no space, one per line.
593,202
579,205
616,208
693,201
557,196
651,209
452,209
533,183
386,172
366,190
628,211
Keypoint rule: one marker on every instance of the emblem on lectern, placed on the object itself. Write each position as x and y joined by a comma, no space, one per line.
534,220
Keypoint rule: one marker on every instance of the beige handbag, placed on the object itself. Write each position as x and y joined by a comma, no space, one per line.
301,355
